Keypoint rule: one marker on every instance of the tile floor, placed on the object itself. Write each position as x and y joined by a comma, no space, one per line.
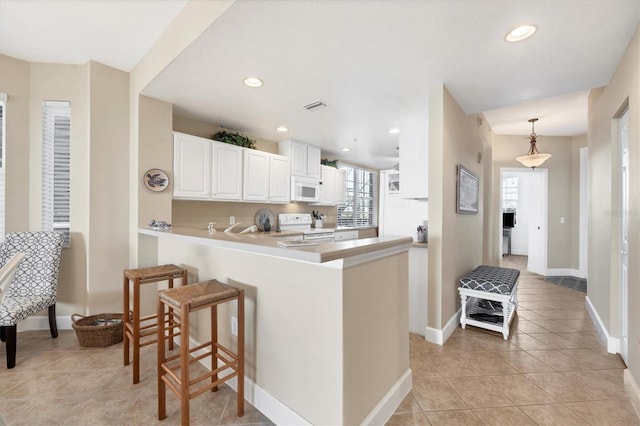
553,370
57,382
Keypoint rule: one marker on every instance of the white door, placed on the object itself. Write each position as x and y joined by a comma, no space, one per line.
624,233
339,189
226,174
313,162
327,187
537,261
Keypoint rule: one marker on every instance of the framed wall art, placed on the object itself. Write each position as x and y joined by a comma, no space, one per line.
468,191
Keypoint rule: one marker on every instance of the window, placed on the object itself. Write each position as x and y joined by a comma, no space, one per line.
509,194
359,208
3,106
56,156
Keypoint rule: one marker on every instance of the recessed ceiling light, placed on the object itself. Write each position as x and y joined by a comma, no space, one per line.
253,82
282,129
520,33
394,131
346,149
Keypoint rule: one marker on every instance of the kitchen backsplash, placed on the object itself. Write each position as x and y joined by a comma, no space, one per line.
197,214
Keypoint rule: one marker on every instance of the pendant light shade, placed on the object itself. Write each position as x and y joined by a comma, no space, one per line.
533,158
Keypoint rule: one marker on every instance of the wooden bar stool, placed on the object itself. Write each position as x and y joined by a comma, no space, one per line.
141,331
173,371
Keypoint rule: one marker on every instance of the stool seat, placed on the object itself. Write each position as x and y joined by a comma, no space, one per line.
155,273
174,371
199,294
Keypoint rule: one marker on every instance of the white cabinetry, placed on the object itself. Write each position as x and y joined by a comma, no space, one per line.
226,173
279,179
191,166
340,188
305,158
414,163
256,175
345,235
332,186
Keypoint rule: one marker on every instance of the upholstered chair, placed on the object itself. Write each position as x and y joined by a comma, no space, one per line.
34,284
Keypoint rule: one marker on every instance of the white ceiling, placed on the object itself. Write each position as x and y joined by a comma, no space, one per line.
372,63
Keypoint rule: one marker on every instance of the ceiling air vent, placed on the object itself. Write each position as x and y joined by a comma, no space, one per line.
314,106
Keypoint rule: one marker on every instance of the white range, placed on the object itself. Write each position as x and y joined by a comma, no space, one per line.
302,222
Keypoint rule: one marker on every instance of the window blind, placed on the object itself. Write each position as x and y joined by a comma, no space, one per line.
360,204
56,167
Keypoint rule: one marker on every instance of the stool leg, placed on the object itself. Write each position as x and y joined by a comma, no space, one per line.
136,331
184,363
126,319
171,324
214,345
162,387
241,353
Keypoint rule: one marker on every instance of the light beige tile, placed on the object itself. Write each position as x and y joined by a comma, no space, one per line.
418,419
605,384
520,391
558,360
503,416
527,342
612,412
435,394
524,362
479,392
596,359
408,405
552,414
453,417
561,387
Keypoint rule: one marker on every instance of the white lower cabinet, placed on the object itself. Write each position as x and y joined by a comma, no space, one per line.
345,235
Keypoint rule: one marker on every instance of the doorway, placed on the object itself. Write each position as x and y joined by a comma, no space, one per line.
623,135
529,235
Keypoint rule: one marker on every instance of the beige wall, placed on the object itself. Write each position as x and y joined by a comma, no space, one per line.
455,240
563,185
577,143
605,106
108,180
15,80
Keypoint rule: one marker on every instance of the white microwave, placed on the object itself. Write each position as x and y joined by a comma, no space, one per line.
305,189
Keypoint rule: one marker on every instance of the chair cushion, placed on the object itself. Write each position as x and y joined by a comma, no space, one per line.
492,279
15,309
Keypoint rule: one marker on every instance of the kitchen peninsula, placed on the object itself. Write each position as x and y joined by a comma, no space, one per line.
326,325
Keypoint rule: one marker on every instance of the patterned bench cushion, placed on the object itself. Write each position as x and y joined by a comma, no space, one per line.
492,279
15,309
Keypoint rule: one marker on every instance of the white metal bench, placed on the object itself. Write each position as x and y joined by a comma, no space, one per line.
489,297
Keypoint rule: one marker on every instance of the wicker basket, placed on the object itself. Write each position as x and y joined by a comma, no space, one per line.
97,336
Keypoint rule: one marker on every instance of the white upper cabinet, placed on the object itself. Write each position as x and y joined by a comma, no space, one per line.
340,187
327,185
305,158
226,174
414,163
279,179
332,186
191,166
313,162
256,175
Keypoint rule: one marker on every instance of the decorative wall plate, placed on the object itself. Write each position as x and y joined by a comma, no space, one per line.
155,180
264,220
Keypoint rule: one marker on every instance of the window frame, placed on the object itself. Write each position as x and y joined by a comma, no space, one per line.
360,196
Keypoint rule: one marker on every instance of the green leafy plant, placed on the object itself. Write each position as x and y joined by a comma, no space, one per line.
330,163
234,138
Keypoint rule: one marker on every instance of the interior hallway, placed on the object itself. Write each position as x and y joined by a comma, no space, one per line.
553,370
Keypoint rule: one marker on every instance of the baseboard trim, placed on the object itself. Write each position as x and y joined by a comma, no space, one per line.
42,323
633,390
384,409
563,272
439,337
613,344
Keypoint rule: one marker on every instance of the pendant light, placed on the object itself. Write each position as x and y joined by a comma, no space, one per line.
533,158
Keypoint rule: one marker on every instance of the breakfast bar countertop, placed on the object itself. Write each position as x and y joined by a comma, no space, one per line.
267,243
